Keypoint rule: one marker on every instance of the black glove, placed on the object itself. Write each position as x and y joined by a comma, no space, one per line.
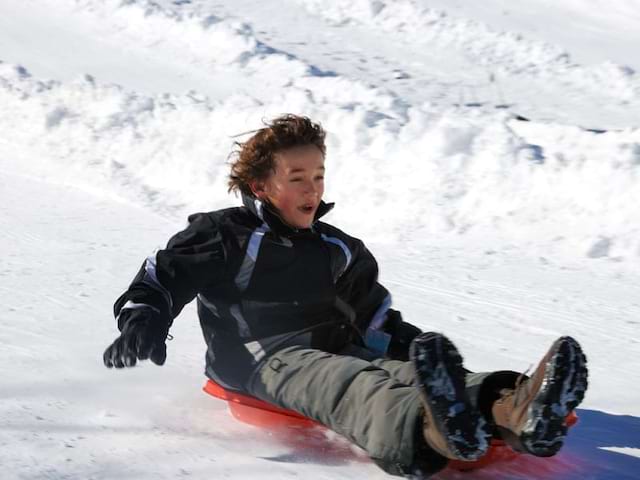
142,337
402,334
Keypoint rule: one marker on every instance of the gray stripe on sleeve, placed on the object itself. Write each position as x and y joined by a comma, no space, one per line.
256,350
208,304
243,326
151,279
378,319
135,306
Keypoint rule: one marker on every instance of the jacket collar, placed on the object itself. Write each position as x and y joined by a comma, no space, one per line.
268,214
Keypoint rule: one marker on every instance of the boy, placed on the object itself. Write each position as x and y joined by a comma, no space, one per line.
293,314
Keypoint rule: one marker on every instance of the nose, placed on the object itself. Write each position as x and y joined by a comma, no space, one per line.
310,187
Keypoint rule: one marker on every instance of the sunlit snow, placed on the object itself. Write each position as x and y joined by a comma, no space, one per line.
487,153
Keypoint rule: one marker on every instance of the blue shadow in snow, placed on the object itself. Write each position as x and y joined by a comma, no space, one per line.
597,430
582,457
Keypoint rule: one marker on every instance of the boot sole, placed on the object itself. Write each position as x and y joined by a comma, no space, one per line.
565,383
441,381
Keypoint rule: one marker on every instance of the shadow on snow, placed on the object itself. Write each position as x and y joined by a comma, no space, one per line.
584,456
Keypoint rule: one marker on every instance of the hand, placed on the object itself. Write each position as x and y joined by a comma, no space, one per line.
143,337
402,334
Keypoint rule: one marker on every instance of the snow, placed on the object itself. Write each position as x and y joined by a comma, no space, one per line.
117,118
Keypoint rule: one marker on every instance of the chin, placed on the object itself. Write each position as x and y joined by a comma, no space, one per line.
306,224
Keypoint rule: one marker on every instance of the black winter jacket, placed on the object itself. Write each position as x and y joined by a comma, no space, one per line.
262,285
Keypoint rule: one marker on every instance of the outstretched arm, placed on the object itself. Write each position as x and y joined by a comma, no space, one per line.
166,282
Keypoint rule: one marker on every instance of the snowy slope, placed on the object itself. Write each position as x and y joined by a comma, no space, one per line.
116,120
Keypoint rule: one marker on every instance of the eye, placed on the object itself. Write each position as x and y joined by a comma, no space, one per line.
320,177
296,179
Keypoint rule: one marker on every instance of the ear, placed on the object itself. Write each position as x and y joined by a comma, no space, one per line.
258,188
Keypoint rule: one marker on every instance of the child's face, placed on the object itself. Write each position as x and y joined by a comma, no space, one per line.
297,185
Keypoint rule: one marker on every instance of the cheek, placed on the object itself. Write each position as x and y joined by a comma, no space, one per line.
288,202
282,198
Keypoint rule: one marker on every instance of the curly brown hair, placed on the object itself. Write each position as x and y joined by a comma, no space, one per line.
255,158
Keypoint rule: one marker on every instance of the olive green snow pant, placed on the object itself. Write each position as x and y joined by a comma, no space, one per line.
370,401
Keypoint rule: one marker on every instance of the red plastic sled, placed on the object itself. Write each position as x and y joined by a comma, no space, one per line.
255,412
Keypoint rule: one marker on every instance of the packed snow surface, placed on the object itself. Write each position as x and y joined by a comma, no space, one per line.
488,154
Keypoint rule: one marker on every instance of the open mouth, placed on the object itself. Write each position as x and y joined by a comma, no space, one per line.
306,209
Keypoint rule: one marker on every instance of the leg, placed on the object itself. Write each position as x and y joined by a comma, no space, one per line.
352,397
531,415
401,371
482,388
453,426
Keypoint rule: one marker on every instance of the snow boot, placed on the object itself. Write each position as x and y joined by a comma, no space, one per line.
452,426
531,416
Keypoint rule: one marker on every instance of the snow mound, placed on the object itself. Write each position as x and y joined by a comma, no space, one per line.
421,170
205,40
498,51
502,232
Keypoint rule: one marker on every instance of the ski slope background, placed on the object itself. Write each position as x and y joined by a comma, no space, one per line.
116,121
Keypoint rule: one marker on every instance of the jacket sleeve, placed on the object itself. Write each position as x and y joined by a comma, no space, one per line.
382,327
358,286
169,279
